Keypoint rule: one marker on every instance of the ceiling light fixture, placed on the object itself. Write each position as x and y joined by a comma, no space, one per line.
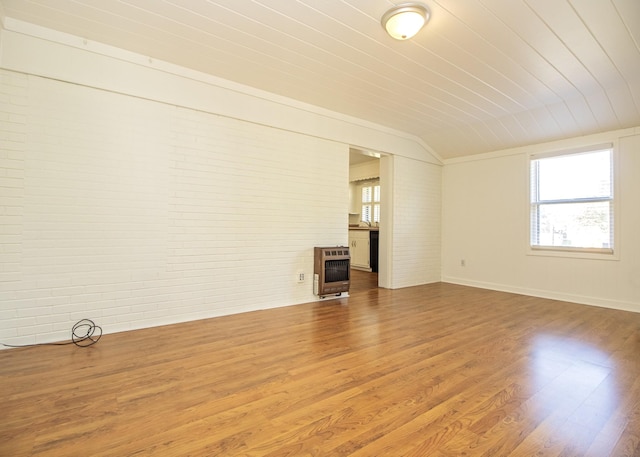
403,21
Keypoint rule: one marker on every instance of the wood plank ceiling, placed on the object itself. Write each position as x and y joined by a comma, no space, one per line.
484,75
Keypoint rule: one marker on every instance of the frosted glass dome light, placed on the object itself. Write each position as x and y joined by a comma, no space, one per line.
403,21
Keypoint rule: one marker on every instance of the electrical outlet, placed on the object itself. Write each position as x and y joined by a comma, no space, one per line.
300,276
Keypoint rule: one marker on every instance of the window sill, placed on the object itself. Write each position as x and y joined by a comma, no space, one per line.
575,253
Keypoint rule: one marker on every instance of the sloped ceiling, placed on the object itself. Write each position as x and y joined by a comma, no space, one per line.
484,75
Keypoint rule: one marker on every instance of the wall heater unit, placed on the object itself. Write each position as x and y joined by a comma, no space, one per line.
331,270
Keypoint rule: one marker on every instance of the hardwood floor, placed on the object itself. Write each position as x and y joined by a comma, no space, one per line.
362,281
437,370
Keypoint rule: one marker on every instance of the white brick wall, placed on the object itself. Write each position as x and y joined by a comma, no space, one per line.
13,100
136,213
417,233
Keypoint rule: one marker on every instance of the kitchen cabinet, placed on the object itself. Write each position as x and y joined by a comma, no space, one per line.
359,246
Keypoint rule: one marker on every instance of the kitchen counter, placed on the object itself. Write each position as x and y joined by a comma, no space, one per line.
373,229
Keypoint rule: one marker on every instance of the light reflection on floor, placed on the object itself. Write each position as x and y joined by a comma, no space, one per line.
575,387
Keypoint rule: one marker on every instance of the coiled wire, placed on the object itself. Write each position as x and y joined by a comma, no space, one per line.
84,333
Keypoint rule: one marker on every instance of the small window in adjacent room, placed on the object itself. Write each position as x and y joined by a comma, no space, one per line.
371,203
572,201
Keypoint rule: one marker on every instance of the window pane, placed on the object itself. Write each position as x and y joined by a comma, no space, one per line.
572,176
376,193
376,213
366,213
366,194
584,225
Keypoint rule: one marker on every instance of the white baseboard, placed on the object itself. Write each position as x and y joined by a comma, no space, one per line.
552,295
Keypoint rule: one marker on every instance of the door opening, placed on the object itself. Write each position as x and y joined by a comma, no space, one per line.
367,216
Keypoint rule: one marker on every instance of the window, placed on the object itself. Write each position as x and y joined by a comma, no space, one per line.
371,203
572,201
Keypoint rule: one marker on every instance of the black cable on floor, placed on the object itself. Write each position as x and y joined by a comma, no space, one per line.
83,334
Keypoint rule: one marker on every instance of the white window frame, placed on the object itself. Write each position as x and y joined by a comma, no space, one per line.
374,204
577,252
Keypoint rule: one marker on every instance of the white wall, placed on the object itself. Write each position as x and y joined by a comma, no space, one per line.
136,213
139,194
486,223
416,225
364,170
39,51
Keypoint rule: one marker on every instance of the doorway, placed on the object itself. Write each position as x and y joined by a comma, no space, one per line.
365,209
